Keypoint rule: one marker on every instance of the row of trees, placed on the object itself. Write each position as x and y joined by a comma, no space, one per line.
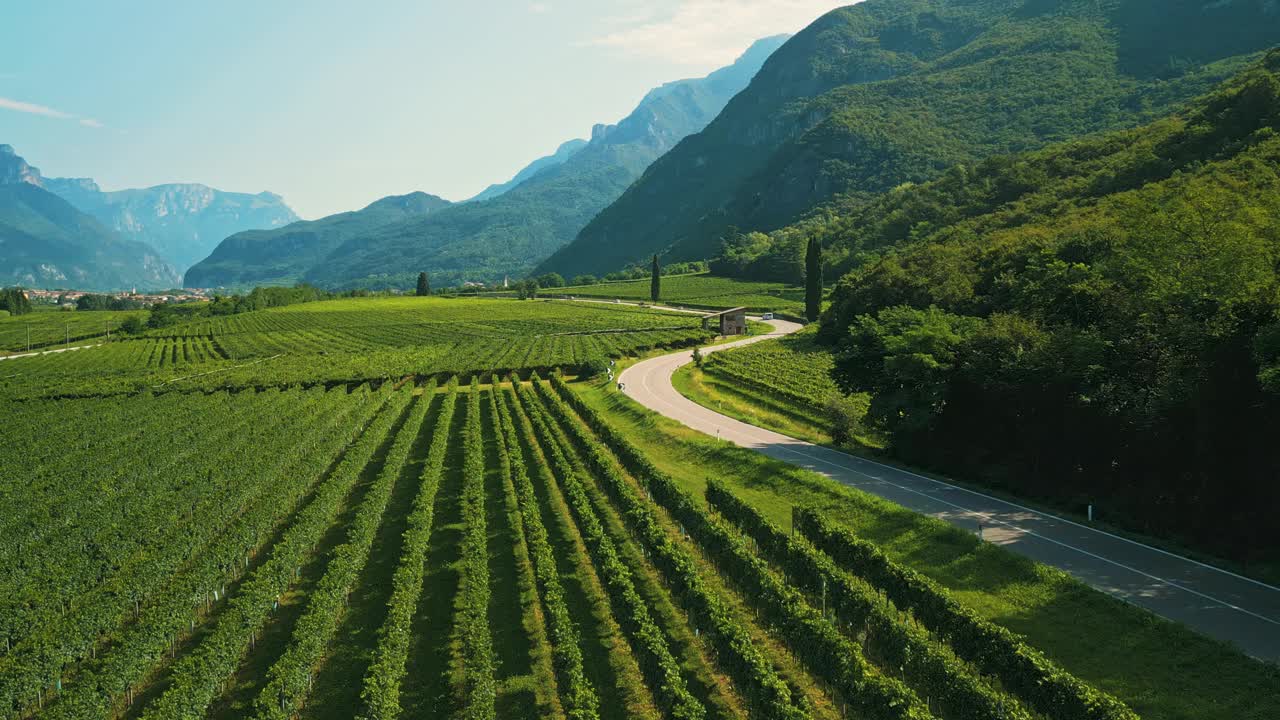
14,301
108,302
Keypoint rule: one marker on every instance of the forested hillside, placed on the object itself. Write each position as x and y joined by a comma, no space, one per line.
283,255
887,92
1097,322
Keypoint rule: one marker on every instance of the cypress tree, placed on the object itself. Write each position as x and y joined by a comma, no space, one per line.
655,281
424,285
15,301
813,280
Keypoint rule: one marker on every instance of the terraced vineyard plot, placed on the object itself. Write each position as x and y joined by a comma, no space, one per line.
794,369
475,552
352,341
51,329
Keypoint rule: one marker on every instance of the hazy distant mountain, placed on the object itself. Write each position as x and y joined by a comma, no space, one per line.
184,222
46,242
510,233
285,254
559,157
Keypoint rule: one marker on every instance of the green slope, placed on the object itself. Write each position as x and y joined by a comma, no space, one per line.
893,91
283,255
1096,322
47,243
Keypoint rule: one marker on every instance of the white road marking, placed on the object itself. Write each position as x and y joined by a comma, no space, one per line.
669,402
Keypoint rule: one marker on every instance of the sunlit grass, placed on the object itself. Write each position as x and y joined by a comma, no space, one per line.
1161,669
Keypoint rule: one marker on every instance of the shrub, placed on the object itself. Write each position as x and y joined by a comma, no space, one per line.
845,414
593,367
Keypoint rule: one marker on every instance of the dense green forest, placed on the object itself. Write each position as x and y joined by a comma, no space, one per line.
887,92
1097,322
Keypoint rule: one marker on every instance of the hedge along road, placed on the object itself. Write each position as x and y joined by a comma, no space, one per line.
1215,602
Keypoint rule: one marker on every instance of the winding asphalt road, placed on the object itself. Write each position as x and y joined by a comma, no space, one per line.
1215,602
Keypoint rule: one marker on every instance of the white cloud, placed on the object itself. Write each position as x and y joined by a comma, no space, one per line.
33,109
712,32
44,111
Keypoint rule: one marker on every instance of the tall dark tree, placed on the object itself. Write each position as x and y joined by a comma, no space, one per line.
813,280
655,281
424,285
15,301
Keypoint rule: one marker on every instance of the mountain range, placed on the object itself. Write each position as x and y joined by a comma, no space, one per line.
888,92
559,157
281,256
103,240
184,222
46,242
509,228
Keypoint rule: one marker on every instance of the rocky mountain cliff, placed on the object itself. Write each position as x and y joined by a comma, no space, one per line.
184,221
46,242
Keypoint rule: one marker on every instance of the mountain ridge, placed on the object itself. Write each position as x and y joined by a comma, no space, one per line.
562,154
183,221
881,93
47,242
279,254
507,234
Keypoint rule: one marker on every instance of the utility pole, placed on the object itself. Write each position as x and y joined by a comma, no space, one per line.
68,335
28,337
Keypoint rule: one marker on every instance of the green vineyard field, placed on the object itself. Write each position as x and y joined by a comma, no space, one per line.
793,368
474,551
53,329
350,341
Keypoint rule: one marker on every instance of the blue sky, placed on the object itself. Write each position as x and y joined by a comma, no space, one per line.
334,104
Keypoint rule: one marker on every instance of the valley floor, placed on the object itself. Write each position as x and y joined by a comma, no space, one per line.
406,545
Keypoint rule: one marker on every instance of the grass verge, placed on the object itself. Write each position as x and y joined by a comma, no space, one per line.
1159,668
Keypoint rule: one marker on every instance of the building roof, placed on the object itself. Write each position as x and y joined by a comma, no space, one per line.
726,312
